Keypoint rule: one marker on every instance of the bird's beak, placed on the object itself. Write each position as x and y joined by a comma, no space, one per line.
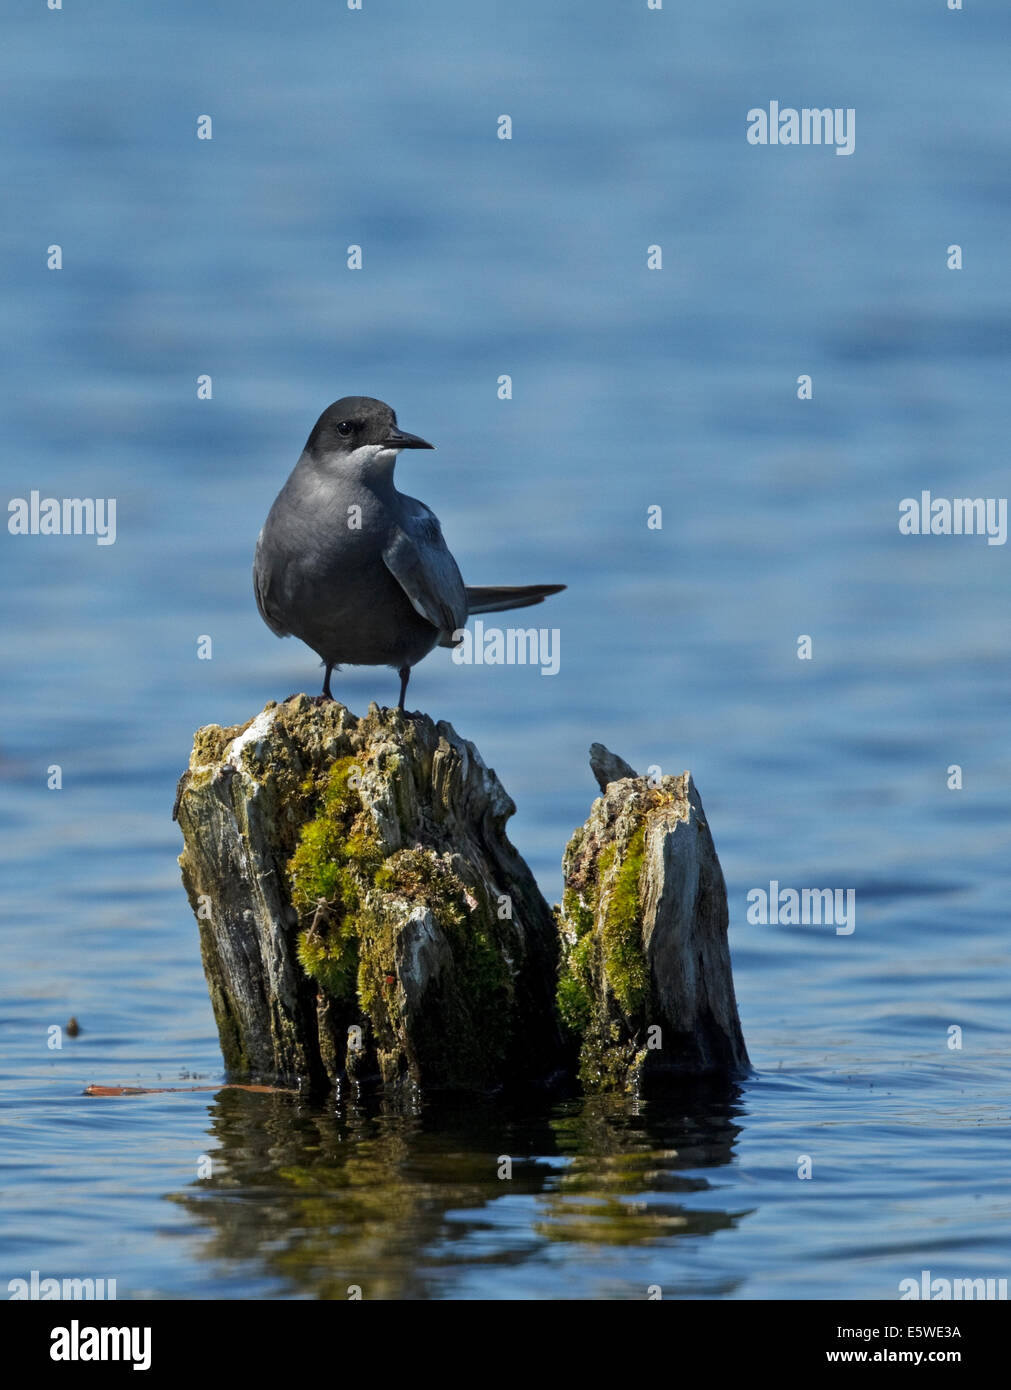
400,439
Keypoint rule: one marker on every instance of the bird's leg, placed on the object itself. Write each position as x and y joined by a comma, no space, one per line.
405,675
327,697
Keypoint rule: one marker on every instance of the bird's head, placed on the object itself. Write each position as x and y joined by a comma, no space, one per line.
360,433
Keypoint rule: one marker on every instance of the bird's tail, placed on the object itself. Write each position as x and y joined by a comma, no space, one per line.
494,598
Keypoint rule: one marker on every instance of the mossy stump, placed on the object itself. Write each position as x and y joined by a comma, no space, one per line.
363,916
645,987
362,913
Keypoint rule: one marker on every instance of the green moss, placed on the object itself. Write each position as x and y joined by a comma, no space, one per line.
574,1003
332,857
341,887
576,991
604,967
315,867
331,960
621,934
577,914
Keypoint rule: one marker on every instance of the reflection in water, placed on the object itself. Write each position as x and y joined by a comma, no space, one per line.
404,1198
625,1159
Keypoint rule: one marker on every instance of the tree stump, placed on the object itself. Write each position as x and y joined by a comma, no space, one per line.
646,984
362,913
364,917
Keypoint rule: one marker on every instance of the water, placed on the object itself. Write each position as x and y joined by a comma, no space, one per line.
631,388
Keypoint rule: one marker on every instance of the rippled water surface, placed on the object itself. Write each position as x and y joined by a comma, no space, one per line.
631,388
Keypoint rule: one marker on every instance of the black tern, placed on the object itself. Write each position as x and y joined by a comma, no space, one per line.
357,570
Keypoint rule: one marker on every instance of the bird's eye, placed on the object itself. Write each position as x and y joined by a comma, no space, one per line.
345,427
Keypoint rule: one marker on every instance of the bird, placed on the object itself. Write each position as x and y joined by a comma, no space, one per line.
356,570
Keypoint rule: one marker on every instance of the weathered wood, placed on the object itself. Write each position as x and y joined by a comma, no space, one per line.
362,912
607,767
646,982
363,915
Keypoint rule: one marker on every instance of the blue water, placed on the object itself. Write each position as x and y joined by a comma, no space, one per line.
631,388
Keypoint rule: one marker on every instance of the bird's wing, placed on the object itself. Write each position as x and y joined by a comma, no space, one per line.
261,587
419,559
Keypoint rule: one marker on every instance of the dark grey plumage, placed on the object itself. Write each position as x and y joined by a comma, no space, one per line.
355,569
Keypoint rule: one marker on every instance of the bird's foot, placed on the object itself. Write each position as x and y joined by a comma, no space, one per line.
411,714
316,700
